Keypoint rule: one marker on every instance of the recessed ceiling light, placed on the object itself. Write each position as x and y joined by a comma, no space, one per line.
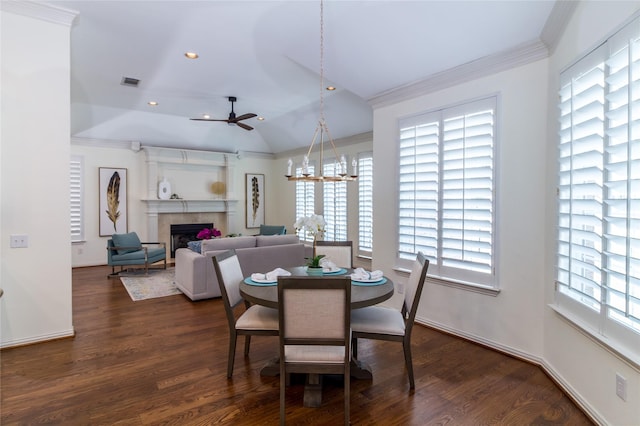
152,103
206,116
331,88
191,55
261,118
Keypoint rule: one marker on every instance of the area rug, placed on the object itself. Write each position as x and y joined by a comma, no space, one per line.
159,283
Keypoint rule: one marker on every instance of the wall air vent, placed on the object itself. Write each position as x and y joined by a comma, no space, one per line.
129,81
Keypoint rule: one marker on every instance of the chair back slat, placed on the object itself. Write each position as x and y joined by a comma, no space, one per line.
230,275
413,290
339,252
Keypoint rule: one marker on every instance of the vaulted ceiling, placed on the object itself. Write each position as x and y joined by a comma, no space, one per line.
267,54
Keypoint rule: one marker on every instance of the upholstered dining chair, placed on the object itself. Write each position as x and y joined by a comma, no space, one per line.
339,252
256,320
382,323
315,336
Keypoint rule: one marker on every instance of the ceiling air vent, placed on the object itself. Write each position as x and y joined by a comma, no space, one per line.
129,81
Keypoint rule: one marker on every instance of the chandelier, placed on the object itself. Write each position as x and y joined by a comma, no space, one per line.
342,174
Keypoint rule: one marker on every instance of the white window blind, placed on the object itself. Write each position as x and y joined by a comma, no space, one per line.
335,204
365,203
446,191
75,192
305,200
598,275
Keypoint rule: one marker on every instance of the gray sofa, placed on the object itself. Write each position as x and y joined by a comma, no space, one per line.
195,275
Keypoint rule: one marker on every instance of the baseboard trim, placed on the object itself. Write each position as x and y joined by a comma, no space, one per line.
38,339
568,390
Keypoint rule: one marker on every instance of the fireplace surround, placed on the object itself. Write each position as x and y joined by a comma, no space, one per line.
182,233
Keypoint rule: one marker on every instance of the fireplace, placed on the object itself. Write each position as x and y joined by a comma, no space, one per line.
182,233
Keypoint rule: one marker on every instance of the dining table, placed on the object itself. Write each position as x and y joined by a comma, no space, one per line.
363,293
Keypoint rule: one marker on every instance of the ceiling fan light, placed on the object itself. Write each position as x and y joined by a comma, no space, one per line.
191,55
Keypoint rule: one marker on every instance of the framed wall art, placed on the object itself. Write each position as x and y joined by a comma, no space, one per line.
254,193
113,201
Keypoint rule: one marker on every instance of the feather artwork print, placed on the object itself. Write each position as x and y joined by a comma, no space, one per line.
113,201
255,196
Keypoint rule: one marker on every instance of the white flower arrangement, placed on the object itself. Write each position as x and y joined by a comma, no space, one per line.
313,224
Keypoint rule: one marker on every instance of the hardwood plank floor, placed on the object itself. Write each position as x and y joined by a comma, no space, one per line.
163,361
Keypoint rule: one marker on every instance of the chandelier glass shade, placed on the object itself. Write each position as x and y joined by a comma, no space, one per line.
341,173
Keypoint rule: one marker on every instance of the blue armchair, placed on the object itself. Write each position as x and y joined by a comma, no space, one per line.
126,250
273,230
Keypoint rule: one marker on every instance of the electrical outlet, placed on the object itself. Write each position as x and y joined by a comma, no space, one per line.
19,241
621,387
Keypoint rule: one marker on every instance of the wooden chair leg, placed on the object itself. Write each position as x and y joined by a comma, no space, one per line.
409,363
283,385
247,344
232,354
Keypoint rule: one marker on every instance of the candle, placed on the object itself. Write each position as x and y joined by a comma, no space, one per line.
343,165
289,164
354,164
305,165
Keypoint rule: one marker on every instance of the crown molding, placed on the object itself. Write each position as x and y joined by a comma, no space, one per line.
38,10
492,64
556,23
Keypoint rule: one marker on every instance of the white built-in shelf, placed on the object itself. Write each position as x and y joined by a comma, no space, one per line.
190,206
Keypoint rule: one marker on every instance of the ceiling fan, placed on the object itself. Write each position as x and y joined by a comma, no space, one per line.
232,117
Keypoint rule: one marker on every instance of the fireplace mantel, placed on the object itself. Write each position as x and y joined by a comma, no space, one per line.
190,206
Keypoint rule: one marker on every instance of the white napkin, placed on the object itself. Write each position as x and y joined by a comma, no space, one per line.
328,265
270,276
362,274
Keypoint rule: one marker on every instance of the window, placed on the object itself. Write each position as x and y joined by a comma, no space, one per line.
305,200
335,204
598,276
75,185
446,191
365,203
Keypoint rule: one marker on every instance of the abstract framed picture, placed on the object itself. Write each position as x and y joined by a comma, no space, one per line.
112,211
254,193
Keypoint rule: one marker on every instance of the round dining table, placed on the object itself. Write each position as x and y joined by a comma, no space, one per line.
362,295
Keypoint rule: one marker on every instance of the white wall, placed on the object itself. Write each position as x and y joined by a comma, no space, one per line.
34,176
568,352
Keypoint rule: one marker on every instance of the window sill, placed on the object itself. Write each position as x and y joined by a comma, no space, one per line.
624,355
461,285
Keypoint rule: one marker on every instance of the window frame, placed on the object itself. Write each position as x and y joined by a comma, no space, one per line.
590,312
365,204
483,282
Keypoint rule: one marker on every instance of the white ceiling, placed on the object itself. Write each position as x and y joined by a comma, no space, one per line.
266,53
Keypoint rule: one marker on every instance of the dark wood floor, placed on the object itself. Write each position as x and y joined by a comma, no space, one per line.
163,361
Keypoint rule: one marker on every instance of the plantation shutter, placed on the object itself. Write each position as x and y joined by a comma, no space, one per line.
335,204
75,192
598,266
305,200
365,203
446,191
467,187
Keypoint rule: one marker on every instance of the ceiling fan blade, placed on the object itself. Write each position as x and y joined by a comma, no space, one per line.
245,116
244,126
207,119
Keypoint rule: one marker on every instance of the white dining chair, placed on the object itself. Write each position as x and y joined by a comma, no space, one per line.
339,252
383,323
256,320
315,336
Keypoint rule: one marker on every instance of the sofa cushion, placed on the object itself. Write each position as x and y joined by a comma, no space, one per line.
195,246
276,240
127,240
228,243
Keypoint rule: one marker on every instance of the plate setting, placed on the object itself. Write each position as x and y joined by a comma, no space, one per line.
259,282
378,281
337,271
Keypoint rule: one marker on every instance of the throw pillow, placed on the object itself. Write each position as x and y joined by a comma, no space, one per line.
127,240
195,246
